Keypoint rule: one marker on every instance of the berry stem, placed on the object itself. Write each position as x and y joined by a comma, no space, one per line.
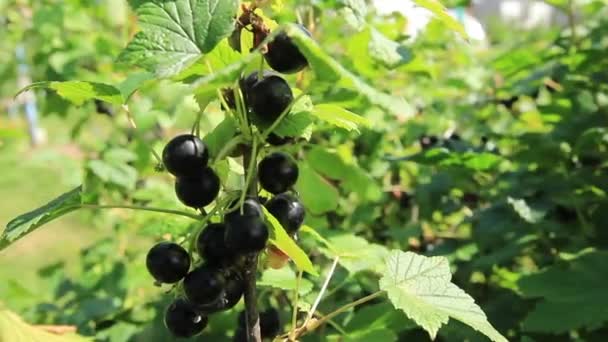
249,273
135,207
281,117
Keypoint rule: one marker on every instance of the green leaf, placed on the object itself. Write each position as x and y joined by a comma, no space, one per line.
340,117
220,135
14,329
78,92
388,52
443,157
529,214
329,70
442,14
279,238
348,247
176,33
298,123
28,222
575,290
421,287
317,194
133,82
284,279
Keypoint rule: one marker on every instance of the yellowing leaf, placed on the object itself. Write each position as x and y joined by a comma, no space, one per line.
279,238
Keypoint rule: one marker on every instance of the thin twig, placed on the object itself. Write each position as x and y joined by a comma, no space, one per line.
322,292
281,117
294,315
135,207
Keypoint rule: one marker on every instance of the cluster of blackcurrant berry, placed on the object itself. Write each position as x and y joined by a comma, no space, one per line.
216,282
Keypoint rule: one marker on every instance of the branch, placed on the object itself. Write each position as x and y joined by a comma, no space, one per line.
251,264
135,207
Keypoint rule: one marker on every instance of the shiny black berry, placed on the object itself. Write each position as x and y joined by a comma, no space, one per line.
246,231
204,285
269,97
251,207
277,172
198,191
185,156
288,211
183,320
276,140
233,290
284,56
211,247
270,323
230,296
168,262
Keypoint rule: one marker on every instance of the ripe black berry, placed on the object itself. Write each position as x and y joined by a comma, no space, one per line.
211,247
199,191
168,262
204,285
288,211
276,140
230,296
270,323
233,291
251,207
183,320
269,97
284,56
277,172
185,156
246,232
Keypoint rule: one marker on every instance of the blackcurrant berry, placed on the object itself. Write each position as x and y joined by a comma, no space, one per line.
203,285
233,291
211,247
246,232
251,207
270,323
199,191
288,211
269,97
183,320
185,156
284,56
276,140
168,262
277,172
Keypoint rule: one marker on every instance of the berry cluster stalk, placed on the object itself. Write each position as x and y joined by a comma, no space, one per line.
251,264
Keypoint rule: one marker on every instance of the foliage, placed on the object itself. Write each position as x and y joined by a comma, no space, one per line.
511,193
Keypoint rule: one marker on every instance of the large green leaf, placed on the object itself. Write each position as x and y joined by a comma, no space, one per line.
442,14
14,329
176,33
78,92
279,238
574,290
348,247
284,279
28,222
388,52
327,69
340,117
421,287
317,194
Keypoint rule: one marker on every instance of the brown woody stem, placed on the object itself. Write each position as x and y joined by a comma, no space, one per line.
249,273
